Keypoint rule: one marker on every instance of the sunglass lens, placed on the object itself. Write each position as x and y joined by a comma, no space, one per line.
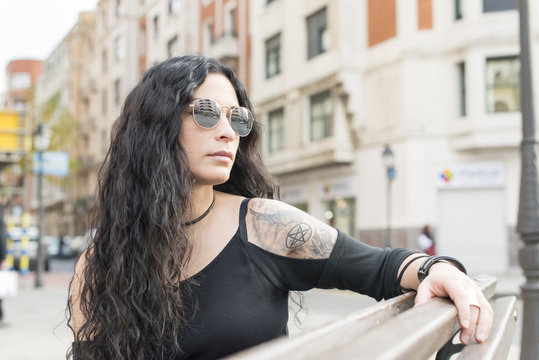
206,113
241,120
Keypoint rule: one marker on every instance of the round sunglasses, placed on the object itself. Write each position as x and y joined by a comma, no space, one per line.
207,114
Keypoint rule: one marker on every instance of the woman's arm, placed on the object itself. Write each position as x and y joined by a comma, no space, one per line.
445,280
287,231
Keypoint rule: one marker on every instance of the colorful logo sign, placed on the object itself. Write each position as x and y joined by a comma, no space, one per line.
446,175
471,175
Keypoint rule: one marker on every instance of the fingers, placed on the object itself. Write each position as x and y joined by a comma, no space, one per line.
474,314
467,332
484,323
463,299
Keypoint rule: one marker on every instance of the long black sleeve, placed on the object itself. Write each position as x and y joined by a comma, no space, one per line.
352,265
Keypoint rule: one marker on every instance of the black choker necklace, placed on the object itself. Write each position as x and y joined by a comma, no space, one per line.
201,216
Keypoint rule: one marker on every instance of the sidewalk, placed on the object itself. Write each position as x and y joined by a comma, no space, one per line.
37,326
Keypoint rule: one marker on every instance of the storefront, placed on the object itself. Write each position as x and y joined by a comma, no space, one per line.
471,215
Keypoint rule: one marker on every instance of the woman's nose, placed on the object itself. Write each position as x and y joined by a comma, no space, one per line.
225,126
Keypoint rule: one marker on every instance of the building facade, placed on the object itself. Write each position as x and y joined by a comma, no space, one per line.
334,81
59,106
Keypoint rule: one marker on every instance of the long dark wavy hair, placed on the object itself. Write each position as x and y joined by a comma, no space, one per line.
130,292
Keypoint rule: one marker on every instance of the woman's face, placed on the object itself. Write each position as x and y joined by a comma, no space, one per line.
211,152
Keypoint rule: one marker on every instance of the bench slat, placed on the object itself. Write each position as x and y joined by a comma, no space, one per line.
415,334
308,345
352,337
501,335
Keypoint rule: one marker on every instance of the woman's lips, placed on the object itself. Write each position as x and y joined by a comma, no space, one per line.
222,156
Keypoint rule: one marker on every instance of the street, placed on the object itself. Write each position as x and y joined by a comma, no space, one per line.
37,324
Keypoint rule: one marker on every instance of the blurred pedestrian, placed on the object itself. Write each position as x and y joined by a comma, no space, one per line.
192,258
426,242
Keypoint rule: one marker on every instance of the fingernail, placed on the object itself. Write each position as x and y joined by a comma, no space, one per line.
480,337
465,339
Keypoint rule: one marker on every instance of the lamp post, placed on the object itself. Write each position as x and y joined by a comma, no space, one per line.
528,211
389,162
42,139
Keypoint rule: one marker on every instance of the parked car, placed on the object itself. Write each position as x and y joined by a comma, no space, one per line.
16,234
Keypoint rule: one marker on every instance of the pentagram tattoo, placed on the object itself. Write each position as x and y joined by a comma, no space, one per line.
298,235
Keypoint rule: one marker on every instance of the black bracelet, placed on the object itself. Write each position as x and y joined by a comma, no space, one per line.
425,267
399,278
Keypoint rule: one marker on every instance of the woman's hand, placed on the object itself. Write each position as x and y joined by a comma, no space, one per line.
474,311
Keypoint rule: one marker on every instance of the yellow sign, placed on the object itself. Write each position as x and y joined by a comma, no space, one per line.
10,132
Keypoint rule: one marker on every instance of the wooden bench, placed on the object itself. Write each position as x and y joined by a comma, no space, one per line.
394,329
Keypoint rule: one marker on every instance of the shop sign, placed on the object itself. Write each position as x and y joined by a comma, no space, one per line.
51,163
345,187
471,175
294,194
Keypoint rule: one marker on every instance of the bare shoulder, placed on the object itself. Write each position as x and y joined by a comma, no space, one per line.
285,230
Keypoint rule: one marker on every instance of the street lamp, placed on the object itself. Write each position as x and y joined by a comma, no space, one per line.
389,162
528,211
42,140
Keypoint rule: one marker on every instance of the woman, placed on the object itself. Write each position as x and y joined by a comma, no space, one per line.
192,258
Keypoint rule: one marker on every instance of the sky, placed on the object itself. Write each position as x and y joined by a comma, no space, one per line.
31,29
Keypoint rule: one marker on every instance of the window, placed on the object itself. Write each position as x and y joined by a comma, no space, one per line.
104,62
156,27
317,34
273,56
20,81
231,22
276,130
321,122
208,35
458,9
117,91
104,138
172,47
20,106
503,86
118,8
340,213
173,6
461,68
499,5
104,99
119,49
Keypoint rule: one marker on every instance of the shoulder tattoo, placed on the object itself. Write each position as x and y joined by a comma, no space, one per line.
287,231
